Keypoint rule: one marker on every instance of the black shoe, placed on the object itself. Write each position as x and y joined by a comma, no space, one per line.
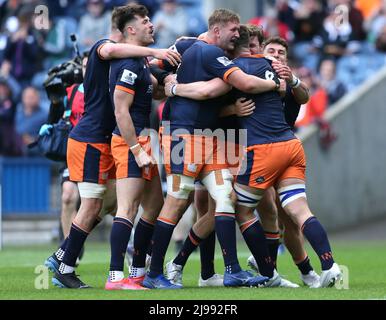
68,280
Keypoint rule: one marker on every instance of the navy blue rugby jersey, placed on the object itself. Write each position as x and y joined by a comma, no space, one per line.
291,108
180,46
98,121
267,124
133,76
200,62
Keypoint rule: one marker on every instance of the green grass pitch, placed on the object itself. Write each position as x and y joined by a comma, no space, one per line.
20,272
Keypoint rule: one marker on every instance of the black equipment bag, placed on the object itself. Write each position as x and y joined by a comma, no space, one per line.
54,145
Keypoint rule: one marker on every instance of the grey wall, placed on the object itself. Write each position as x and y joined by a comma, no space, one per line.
347,184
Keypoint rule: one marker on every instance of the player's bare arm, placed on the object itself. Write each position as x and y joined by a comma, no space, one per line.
158,89
111,50
200,90
122,102
251,84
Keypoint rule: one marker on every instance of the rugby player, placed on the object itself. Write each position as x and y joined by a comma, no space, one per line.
89,157
203,61
131,88
70,193
269,208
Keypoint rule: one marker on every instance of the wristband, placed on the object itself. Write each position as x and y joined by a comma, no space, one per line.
295,83
173,90
134,146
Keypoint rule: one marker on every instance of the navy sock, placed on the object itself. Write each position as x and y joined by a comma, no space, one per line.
63,245
305,266
75,242
226,234
162,234
273,243
253,234
119,238
207,248
190,244
150,246
142,237
317,237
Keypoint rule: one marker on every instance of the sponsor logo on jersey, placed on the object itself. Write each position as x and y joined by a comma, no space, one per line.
128,77
260,179
224,61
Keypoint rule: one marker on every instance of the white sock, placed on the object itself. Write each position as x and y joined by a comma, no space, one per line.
59,254
115,276
65,269
137,272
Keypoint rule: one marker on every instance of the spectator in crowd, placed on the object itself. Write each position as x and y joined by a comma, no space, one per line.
63,8
55,43
169,23
8,9
272,26
9,144
94,25
356,20
286,13
29,118
314,109
380,42
151,5
333,40
21,54
308,16
308,21
327,78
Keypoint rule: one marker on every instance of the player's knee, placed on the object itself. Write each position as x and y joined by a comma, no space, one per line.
69,197
291,193
179,186
246,198
91,190
132,209
219,185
